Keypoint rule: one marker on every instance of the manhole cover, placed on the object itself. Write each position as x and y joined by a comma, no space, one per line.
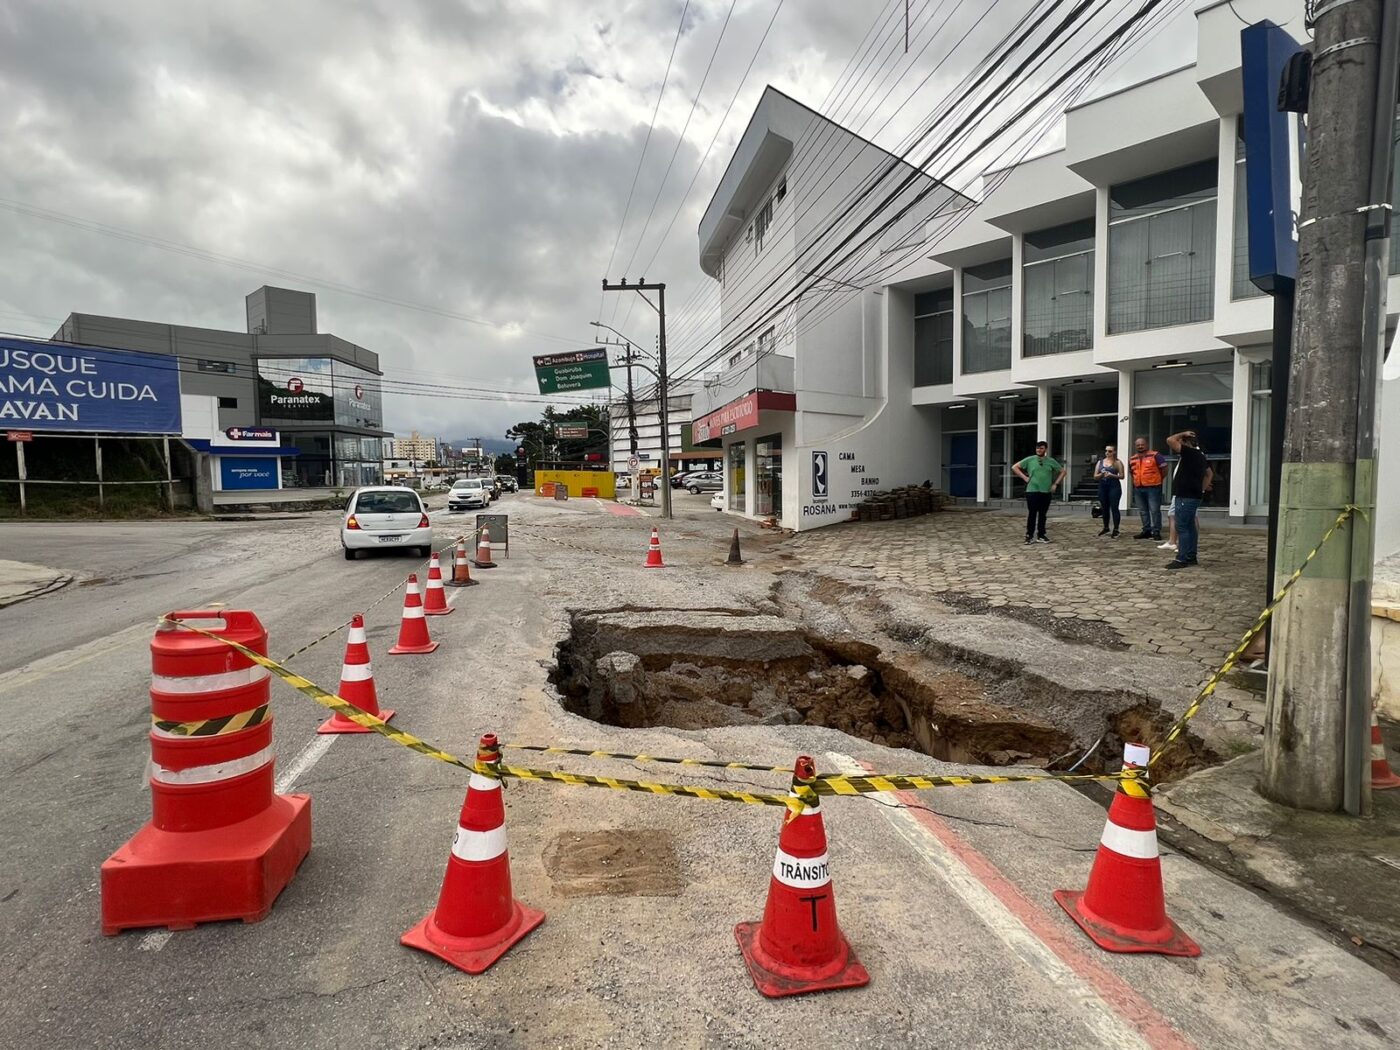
640,862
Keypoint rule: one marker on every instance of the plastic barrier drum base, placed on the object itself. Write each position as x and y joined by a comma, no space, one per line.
775,980
473,954
1168,940
179,879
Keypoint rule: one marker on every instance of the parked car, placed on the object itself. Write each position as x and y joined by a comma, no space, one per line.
389,516
704,481
468,492
507,483
678,480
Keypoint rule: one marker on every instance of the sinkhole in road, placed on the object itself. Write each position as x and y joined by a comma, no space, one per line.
697,669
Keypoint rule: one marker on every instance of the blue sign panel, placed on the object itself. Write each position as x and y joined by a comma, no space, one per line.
57,386
248,472
1273,156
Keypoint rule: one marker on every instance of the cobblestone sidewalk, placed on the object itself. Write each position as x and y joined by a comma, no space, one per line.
977,555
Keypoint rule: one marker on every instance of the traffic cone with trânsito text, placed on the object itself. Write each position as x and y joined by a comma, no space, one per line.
413,631
1383,778
799,947
1123,909
356,684
476,920
654,552
435,598
461,571
483,550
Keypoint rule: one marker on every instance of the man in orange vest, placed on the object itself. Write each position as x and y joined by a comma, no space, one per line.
1149,469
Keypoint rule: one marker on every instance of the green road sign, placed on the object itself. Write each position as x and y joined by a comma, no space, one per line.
578,370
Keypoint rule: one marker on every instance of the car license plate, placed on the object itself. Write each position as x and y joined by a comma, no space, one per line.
390,539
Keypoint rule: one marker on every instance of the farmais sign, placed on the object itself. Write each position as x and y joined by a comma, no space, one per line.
58,386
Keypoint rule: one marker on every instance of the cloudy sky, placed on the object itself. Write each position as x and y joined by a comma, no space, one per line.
464,162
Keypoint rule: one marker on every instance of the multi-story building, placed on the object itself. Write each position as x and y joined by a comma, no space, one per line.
645,417
417,448
1096,293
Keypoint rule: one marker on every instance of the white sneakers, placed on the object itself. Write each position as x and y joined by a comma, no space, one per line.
1168,546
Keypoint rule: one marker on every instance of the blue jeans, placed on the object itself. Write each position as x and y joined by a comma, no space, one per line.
1149,505
1188,535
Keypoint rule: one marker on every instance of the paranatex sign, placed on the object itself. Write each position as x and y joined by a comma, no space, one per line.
58,386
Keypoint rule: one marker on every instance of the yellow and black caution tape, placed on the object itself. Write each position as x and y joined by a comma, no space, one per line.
214,726
583,780
584,752
1259,624
870,783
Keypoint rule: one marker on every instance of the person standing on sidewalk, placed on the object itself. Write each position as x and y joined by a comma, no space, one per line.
1109,474
1042,476
1190,483
1149,469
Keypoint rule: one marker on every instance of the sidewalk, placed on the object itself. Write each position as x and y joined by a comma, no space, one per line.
20,581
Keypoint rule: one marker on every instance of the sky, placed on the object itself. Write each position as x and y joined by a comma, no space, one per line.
450,178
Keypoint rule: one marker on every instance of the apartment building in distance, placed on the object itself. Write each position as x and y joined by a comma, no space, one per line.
1096,293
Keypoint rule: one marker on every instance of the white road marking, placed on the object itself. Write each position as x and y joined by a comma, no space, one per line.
302,764
1095,1014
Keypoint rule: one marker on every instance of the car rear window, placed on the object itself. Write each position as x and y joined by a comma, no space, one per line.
387,503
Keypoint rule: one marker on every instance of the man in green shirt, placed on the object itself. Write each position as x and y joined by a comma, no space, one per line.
1042,476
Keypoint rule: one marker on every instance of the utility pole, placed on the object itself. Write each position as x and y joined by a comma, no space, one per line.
641,287
1319,705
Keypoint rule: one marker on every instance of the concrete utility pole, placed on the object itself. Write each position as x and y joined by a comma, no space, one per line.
1319,705
641,287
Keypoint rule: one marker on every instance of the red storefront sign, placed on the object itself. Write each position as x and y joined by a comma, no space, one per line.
742,414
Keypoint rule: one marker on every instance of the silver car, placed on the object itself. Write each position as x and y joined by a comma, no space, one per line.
704,481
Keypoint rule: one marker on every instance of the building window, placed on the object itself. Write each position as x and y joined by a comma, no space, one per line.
223,367
767,341
761,222
933,337
1261,381
736,478
986,317
1011,438
1161,249
1241,287
1197,397
228,402
780,192
1058,279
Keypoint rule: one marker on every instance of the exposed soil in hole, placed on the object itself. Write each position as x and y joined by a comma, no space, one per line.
1067,629
636,862
697,669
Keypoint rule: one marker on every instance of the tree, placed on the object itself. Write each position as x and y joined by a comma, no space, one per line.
537,436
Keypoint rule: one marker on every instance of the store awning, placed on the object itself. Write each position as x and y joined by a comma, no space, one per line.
201,445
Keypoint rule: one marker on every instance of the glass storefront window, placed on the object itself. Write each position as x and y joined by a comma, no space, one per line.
1058,280
1260,419
1161,244
986,317
359,398
737,477
933,337
1194,398
768,499
1012,438
960,460
1084,421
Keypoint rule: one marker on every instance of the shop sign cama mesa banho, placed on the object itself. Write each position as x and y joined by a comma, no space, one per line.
62,387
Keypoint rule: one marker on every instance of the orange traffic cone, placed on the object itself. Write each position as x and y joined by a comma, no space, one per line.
483,550
476,920
1383,778
1123,909
435,598
654,552
461,571
413,631
799,947
356,684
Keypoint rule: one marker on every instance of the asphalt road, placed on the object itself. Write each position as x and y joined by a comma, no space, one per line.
950,911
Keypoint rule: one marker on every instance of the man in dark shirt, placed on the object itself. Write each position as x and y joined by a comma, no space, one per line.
1190,483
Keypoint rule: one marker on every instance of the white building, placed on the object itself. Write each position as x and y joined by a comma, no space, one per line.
646,417
416,447
1097,293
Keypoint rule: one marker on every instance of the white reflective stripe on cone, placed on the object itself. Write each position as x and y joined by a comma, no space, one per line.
477,782
209,683
356,672
210,774
803,873
413,612
434,583
357,636
478,845
1128,843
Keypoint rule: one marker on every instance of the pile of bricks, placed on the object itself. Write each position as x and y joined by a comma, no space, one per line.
907,502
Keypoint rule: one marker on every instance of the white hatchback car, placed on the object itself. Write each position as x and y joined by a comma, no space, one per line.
385,516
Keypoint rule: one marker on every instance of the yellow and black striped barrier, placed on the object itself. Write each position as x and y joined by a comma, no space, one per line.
1259,624
584,752
214,726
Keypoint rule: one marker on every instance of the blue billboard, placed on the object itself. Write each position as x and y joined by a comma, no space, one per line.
1273,156
248,472
58,386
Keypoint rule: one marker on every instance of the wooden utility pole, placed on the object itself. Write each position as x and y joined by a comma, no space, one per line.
1319,702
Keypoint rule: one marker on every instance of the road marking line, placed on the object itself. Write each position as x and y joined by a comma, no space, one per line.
302,764
47,665
1104,1003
